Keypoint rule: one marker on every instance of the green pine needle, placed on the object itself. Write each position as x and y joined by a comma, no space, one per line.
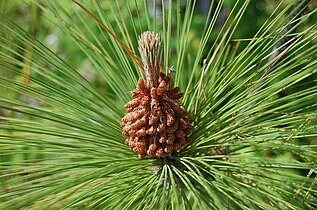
254,114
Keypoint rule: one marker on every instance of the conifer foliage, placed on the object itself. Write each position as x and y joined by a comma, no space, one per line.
232,125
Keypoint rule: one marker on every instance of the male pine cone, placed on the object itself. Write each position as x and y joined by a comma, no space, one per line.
156,123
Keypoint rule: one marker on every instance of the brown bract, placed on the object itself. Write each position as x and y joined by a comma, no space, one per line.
156,123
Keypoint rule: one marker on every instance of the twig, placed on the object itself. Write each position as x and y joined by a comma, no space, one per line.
124,46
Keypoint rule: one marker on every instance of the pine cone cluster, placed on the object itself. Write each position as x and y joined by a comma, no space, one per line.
156,123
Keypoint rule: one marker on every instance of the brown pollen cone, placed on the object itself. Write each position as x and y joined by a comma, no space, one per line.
156,123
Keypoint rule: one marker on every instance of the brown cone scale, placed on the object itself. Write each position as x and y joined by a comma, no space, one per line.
156,123
158,132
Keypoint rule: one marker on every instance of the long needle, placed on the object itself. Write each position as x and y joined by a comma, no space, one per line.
124,46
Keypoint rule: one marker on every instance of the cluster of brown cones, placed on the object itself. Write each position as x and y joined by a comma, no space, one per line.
156,123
